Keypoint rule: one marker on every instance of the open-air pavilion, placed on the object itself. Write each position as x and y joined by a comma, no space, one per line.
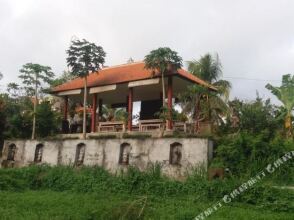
120,86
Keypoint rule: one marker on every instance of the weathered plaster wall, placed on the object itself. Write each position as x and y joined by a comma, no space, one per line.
106,153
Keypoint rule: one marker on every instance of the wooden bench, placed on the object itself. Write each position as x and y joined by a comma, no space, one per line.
111,126
144,125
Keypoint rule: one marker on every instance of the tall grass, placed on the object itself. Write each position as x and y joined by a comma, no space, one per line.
149,183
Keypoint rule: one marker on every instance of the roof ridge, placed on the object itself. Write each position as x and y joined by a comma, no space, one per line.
123,64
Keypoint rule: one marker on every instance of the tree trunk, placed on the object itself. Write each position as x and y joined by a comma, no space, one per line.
84,110
163,89
288,125
197,113
35,109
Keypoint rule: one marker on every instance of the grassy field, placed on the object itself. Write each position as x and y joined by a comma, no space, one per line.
62,192
67,205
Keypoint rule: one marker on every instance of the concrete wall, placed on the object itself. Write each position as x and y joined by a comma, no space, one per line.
106,153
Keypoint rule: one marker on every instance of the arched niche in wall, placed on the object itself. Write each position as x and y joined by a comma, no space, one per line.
124,154
80,154
11,152
175,156
38,153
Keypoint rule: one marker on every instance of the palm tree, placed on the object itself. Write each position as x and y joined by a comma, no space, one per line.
203,103
162,60
84,58
285,93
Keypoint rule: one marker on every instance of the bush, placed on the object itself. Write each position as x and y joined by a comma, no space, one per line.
245,154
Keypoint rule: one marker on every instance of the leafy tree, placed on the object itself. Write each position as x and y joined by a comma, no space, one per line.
33,77
3,118
285,93
1,75
84,58
18,117
253,117
13,89
204,103
65,77
48,121
163,60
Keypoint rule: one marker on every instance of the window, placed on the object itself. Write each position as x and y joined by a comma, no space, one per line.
80,154
175,154
124,155
38,153
11,152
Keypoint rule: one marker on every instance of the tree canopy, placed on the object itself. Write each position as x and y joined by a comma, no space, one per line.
160,60
84,57
34,76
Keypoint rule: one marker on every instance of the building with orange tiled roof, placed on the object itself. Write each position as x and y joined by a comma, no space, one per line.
122,85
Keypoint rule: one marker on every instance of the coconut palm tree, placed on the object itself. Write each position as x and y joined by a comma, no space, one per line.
203,103
209,68
285,93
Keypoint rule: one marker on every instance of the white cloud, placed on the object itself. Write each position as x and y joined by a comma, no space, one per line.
253,38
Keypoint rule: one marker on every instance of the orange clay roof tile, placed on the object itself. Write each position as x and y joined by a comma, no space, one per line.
123,74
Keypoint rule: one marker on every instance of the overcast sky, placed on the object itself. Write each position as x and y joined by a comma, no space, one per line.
254,38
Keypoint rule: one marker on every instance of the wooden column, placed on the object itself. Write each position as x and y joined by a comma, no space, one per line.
170,101
65,110
94,108
100,102
130,109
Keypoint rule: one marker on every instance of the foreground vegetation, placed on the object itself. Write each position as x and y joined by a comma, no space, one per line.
70,205
42,192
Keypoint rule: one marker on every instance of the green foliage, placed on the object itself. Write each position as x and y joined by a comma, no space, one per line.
33,205
285,93
209,68
65,77
201,103
99,137
246,153
48,121
159,59
150,184
13,89
136,136
114,114
84,57
33,76
3,115
163,60
18,117
165,114
254,117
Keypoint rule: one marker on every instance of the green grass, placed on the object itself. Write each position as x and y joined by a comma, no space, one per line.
67,205
64,192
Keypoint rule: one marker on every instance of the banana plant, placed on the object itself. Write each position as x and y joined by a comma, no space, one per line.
285,93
